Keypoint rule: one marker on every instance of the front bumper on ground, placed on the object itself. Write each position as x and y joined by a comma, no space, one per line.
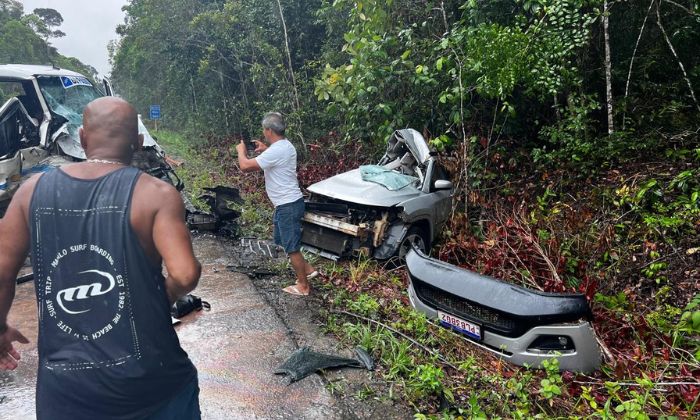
520,325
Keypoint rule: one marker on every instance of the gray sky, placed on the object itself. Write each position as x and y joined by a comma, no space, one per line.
89,25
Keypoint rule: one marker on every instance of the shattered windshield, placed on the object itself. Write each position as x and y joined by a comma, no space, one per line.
389,179
67,96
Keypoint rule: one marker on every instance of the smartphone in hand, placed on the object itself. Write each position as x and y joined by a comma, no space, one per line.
250,146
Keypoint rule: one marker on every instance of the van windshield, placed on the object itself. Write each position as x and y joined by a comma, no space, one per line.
68,95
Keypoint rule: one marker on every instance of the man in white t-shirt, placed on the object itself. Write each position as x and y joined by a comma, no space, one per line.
279,162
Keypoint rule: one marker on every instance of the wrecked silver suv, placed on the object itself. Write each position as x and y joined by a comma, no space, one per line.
365,211
39,120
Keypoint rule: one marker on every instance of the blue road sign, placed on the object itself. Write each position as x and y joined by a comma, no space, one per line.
155,112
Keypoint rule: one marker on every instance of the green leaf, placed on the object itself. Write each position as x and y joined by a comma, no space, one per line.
696,319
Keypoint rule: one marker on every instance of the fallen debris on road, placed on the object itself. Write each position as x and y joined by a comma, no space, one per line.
304,362
256,258
222,218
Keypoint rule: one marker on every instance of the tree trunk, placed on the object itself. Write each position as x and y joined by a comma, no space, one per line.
444,17
291,73
224,99
289,57
634,54
678,59
608,69
194,96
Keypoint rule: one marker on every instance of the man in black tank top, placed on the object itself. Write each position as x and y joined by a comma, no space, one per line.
99,232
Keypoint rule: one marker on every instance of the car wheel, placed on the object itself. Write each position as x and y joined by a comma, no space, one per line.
414,236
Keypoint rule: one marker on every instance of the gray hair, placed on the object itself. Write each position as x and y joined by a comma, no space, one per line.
275,122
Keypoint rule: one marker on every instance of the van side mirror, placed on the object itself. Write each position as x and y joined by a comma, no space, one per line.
443,184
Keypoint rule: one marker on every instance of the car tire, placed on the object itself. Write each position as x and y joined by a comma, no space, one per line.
415,235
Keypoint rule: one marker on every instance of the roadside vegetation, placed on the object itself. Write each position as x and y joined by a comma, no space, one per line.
648,327
215,164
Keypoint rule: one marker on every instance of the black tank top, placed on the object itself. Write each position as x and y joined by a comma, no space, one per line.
107,349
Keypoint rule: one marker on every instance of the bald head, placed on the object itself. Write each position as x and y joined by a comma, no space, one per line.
110,129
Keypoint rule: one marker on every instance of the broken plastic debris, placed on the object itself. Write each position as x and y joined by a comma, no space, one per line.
304,362
222,217
365,358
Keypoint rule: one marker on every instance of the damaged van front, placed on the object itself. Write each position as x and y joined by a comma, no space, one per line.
39,121
380,210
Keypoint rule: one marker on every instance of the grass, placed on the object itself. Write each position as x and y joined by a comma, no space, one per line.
196,171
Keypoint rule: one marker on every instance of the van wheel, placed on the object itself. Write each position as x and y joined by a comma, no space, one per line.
414,236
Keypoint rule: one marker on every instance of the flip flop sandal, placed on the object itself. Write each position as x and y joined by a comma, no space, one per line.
293,290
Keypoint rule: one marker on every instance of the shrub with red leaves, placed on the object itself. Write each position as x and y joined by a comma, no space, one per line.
510,250
329,156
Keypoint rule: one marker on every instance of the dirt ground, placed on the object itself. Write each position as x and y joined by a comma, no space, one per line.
252,328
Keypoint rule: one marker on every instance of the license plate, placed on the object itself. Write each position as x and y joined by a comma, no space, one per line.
465,327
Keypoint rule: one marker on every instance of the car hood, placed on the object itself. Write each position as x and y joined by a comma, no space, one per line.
350,187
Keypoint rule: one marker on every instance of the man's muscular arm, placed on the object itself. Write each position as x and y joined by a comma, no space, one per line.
14,247
172,241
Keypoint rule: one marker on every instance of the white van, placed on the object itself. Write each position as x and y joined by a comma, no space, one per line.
39,120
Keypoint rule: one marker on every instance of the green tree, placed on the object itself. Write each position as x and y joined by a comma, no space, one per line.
229,61
20,44
10,10
51,20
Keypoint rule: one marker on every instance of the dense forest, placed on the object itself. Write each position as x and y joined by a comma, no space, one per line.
570,129
544,72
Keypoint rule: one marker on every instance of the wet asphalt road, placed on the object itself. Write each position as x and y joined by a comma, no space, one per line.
236,347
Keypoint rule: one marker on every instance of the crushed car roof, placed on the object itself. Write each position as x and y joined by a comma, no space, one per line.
416,143
28,71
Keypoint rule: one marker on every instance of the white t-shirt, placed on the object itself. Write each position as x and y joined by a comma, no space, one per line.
279,162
